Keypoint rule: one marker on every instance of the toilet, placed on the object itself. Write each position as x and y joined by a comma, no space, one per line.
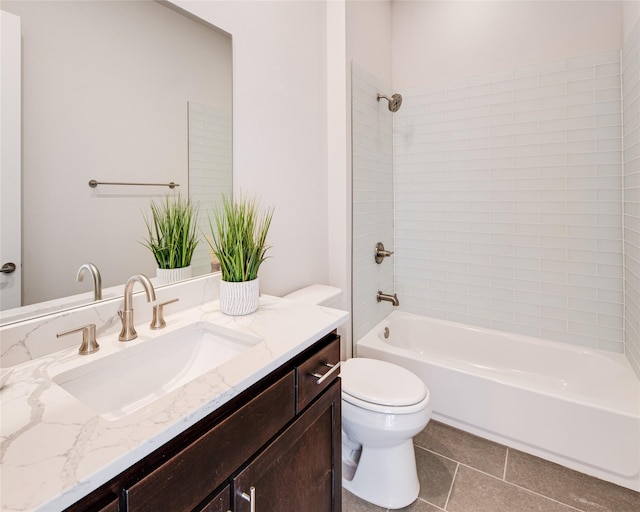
383,407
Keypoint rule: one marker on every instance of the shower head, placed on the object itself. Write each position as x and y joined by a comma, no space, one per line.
394,102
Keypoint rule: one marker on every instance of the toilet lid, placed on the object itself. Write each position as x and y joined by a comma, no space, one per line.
381,382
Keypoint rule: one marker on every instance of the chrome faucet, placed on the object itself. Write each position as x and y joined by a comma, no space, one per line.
97,279
389,298
128,331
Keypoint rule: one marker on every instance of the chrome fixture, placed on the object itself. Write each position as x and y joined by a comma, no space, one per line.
322,377
95,183
158,314
95,275
394,102
389,298
251,498
89,344
128,331
381,254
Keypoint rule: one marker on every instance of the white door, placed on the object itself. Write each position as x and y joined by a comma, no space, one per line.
10,162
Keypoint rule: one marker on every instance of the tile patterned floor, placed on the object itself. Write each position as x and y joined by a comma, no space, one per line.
460,472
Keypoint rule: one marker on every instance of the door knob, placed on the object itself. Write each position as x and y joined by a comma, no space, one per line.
8,268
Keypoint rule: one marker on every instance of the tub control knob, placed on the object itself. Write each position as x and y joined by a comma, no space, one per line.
381,254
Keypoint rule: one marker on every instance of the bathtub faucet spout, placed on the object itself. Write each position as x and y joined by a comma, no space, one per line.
389,298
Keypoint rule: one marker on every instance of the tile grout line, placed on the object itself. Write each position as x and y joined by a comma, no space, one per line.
453,480
458,464
506,461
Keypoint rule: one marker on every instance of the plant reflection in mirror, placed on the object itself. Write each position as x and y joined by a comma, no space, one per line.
172,232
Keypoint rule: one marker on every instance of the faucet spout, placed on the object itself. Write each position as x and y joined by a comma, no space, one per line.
95,275
389,298
128,331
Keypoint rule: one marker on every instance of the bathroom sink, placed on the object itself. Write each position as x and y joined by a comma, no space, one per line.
121,383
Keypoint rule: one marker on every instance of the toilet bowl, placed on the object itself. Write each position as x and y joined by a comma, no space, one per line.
383,407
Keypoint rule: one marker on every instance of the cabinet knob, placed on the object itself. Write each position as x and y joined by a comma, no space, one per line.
251,498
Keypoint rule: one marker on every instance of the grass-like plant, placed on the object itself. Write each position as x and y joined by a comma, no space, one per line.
239,239
172,232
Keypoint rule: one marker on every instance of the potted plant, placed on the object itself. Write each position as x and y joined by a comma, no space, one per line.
239,243
172,237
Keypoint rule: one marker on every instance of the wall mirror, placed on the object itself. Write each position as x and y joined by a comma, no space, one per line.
132,91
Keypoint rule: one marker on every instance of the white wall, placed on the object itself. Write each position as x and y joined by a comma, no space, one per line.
630,16
280,129
436,41
369,36
338,163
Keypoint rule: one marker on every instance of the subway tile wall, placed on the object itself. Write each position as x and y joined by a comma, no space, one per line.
508,201
210,173
631,219
372,154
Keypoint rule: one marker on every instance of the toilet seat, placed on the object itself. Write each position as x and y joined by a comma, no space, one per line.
382,386
386,409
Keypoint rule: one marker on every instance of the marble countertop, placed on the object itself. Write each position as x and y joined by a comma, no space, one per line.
55,450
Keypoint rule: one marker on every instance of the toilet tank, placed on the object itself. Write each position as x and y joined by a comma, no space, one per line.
320,294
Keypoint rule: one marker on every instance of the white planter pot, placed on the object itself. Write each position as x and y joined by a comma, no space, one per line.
239,298
172,275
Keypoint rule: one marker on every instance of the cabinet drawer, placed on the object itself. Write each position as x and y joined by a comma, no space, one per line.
316,365
111,507
188,478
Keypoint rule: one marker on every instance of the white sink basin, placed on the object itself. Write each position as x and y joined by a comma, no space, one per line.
122,383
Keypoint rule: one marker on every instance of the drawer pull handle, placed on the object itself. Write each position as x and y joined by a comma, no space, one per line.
251,498
322,378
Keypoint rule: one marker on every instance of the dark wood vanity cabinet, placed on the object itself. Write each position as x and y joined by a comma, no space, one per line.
277,445
221,502
299,471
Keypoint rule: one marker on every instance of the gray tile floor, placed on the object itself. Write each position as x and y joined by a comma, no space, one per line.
460,472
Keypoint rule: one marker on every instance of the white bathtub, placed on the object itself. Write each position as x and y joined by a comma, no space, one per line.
573,406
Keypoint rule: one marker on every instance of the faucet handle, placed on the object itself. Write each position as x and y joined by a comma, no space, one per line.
381,253
89,344
158,314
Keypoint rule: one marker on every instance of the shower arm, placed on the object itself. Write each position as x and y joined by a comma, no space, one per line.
394,102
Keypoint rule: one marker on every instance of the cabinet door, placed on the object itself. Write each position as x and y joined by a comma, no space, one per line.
220,503
185,480
301,469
